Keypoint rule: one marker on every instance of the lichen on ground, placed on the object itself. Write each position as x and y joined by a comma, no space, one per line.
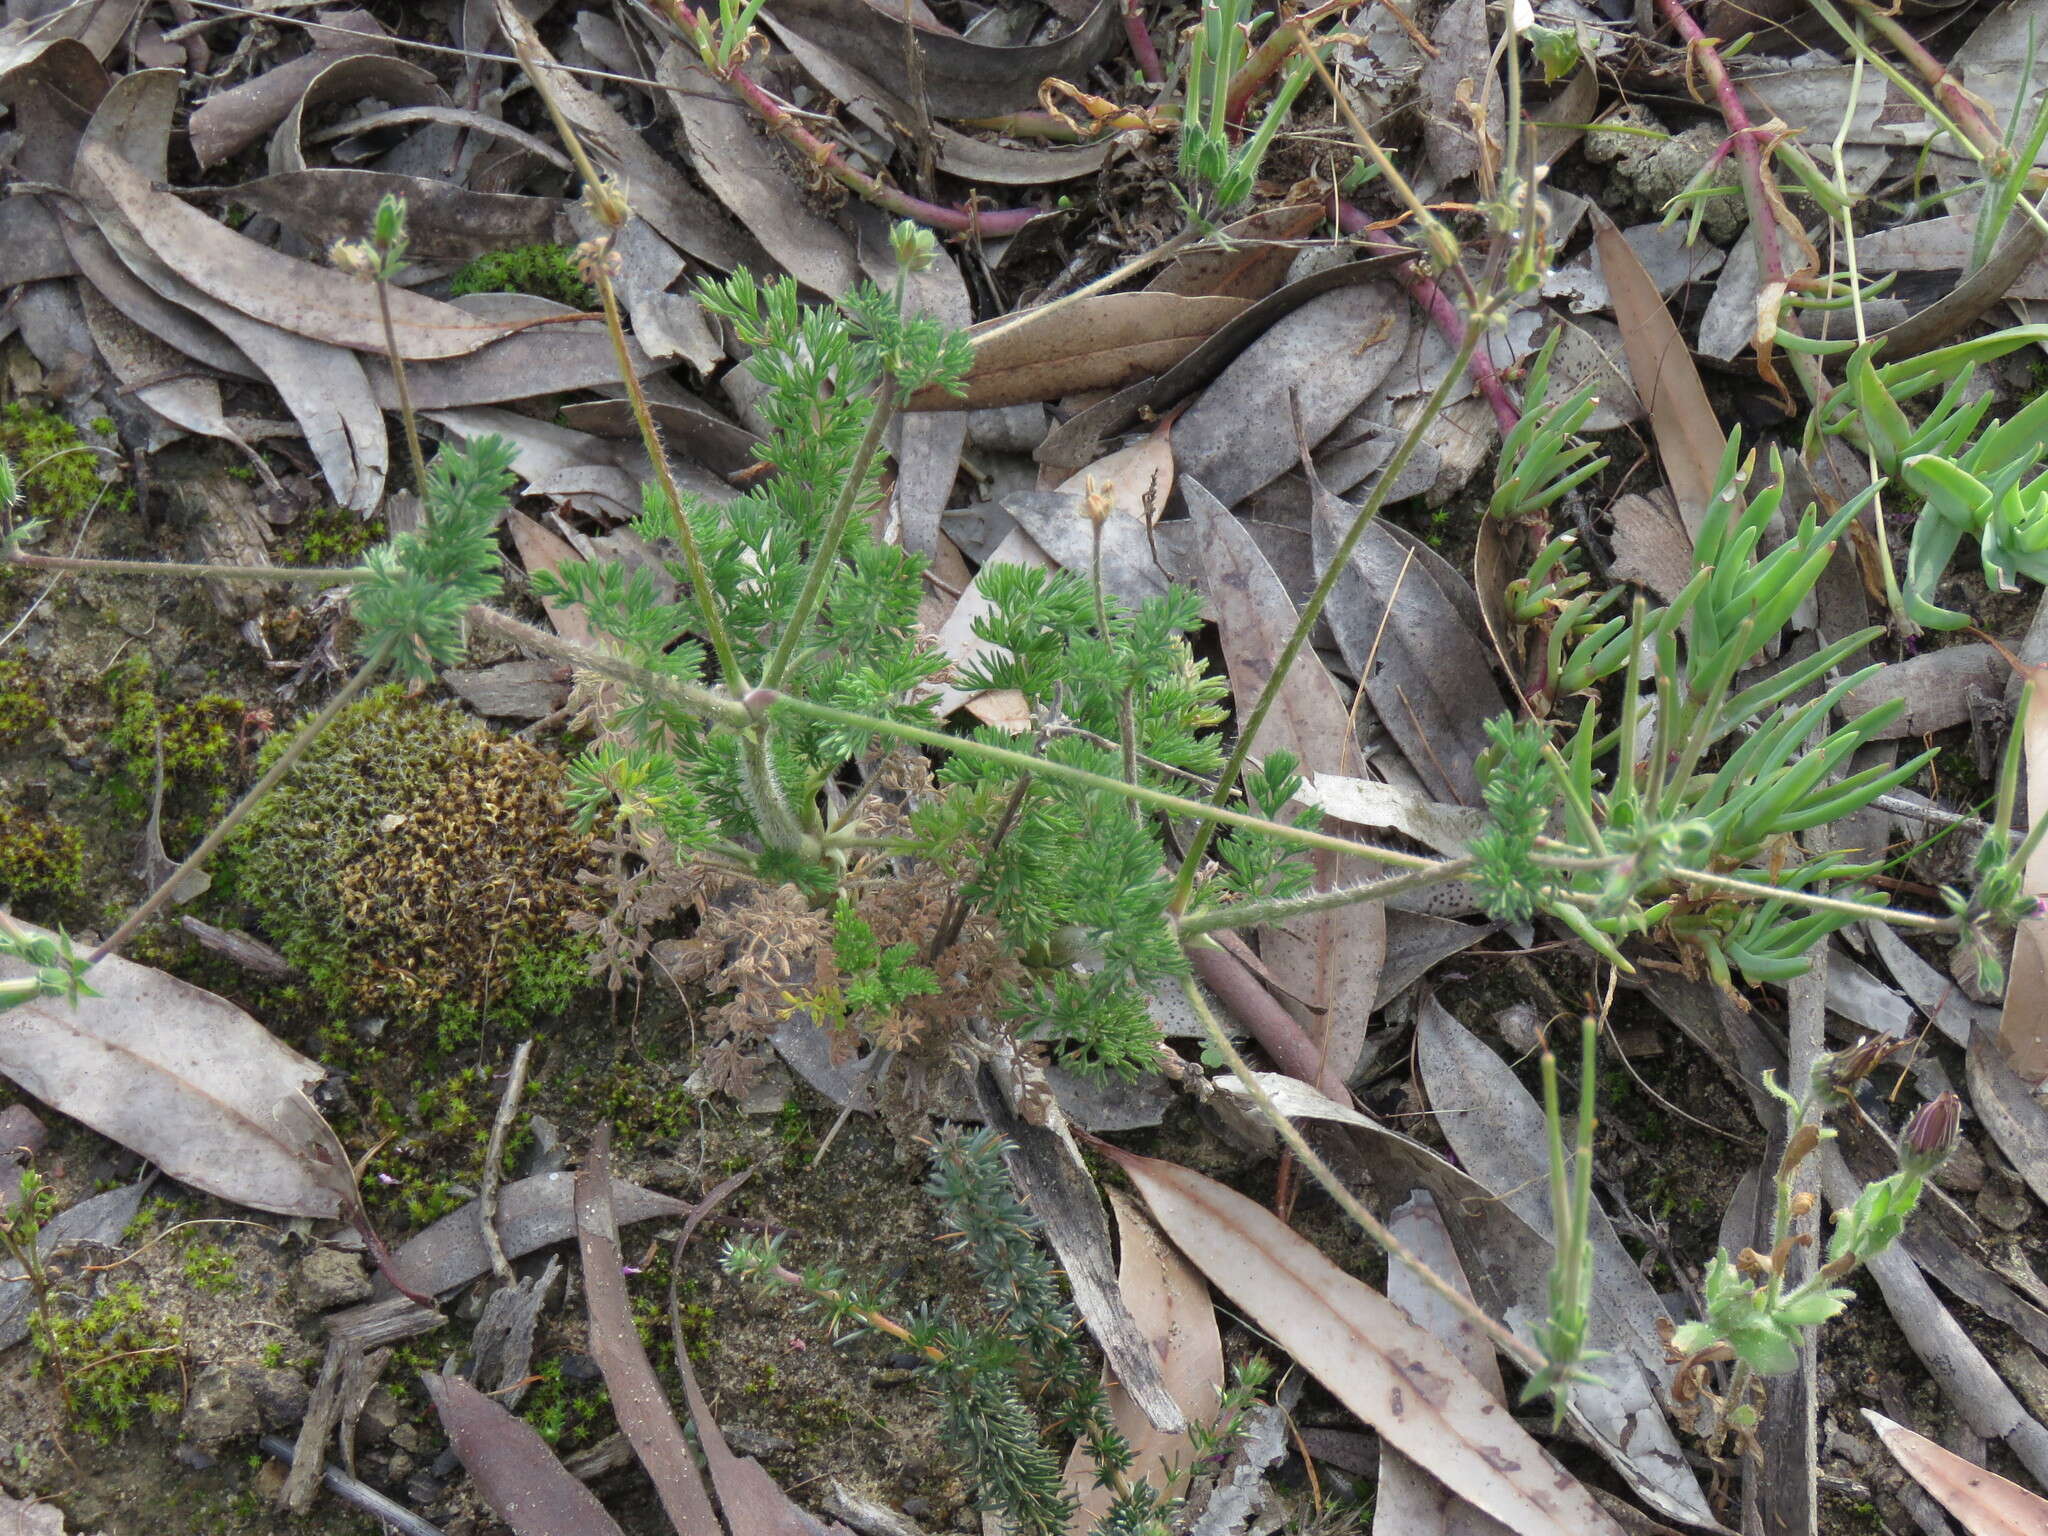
417,866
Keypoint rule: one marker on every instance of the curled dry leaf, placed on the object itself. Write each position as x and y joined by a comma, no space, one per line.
638,1399
1368,1353
1987,1504
1103,342
512,1466
354,78
229,121
1688,434
184,1078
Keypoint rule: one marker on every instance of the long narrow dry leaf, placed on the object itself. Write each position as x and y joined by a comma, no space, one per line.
1330,961
1171,1307
2011,1113
1689,437
1987,1504
2023,1025
184,1078
1368,1353
1408,1501
443,222
638,1398
514,1470
532,1214
1102,342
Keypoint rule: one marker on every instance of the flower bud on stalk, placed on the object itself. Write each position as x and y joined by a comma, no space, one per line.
1930,1136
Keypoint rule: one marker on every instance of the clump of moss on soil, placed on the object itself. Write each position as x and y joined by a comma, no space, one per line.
330,535
418,866
199,742
58,470
24,711
117,1359
545,271
39,857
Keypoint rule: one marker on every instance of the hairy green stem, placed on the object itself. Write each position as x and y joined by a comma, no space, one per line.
255,797
311,575
1340,561
1256,913
405,411
826,555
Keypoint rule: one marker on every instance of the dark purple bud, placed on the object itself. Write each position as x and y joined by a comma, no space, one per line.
1931,1135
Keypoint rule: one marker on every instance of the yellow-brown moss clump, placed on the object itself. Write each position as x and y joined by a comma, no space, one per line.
418,866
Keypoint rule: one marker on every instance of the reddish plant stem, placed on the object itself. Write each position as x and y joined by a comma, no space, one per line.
1438,305
1961,106
828,159
1142,48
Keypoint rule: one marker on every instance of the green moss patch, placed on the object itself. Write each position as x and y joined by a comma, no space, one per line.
545,271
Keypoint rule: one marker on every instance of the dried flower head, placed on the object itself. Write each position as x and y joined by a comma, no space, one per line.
606,200
358,258
1931,1135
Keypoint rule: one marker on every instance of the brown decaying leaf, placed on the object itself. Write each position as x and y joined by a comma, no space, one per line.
1407,1501
1368,1353
1935,686
1252,258
1688,434
638,1399
513,1468
1103,342
1987,1504
542,549
532,1213
357,77
1329,961
1171,1306
184,1078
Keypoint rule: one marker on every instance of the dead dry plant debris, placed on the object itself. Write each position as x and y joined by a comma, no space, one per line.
1025,362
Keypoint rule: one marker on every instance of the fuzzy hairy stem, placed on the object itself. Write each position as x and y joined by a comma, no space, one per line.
826,555
258,791
1340,560
1522,1353
310,575
705,702
405,411
650,437
1251,914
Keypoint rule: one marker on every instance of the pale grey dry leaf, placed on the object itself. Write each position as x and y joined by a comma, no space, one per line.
177,327
1729,324
714,439
397,162
1671,263
1650,544
176,1074
1449,829
1431,682
1930,990
353,78
926,444
1407,1500
638,1398
33,241
1453,84
1936,688
99,25
659,193
444,223
229,121
1170,1303
533,1213
1590,351
749,174
1416,943
1056,523
152,372
959,78
28,1517
537,360
1956,1365
1326,356
1940,245
101,1219
1368,1353
1106,341
665,323
318,302
2013,1116
512,690
1496,1128
514,1471
1861,998
1682,420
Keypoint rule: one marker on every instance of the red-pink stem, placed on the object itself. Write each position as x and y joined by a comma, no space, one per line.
827,158
1438,305
1962,108
1141,42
